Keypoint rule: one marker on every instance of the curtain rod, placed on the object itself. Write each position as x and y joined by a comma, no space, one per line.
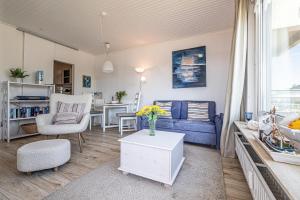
45,38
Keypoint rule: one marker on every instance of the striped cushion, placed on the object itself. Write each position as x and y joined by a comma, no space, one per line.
66,118
167,106
198,111
71,107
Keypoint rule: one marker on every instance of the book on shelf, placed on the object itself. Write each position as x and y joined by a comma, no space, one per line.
26,112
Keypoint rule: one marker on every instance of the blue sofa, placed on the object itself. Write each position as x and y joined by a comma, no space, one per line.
196,131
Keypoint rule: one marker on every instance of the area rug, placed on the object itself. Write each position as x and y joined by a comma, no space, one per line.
201,177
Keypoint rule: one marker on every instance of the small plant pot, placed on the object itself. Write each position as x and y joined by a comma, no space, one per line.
18,80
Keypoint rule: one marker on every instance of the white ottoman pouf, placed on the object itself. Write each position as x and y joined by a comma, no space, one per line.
45,154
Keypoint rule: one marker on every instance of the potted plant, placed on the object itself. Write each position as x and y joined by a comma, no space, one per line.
120,95
18,74
152,113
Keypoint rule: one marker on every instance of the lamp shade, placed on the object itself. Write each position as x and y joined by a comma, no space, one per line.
108,67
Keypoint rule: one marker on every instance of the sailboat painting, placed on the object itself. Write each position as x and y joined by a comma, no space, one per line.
189,67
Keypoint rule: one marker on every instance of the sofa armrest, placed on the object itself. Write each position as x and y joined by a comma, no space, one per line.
219,124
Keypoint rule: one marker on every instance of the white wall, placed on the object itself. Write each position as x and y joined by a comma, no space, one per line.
39,54
157,60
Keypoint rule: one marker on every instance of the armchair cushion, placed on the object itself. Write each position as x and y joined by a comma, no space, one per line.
71,107
66,118
58,129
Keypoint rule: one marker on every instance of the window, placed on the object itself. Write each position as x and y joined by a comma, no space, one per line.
281,34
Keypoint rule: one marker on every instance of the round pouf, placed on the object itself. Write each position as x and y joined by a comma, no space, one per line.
45,154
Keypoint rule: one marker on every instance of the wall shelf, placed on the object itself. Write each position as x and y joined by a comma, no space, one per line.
29,84
11,126
22,136
20,119
28,101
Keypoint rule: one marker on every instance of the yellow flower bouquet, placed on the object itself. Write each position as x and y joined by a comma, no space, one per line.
152,113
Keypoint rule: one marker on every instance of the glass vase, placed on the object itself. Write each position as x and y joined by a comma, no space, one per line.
152,126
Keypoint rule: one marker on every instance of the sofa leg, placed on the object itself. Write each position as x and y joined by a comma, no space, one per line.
79,141
57,136
28,173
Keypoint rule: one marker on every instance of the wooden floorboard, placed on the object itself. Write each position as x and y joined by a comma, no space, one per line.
235,183
98,149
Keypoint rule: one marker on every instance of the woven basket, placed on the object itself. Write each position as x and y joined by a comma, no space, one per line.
30,128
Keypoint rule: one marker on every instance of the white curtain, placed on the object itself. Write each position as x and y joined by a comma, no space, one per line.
236,78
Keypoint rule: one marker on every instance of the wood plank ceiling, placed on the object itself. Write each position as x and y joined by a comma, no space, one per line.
129,23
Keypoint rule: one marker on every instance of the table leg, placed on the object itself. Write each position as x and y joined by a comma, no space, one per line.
90,123
108,117
104,119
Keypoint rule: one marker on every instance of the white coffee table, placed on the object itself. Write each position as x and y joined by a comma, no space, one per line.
158,157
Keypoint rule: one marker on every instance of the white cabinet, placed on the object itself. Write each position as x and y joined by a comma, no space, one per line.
258,187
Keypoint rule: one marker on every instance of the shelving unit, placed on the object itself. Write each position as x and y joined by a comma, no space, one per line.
11,126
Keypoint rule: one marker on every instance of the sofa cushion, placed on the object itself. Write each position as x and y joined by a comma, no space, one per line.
198,111
197,126
211,109
166,106
175,109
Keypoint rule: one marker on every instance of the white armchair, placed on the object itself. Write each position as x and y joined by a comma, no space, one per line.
45,122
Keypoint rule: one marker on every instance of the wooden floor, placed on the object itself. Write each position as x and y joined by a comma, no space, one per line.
234,179
98,149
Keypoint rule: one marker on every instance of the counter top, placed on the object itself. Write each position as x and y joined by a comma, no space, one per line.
287,175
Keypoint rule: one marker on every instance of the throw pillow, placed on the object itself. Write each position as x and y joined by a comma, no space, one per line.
65,118
167,106
198,111
71,107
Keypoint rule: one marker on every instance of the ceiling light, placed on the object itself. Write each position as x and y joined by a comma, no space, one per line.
143,79
139,69
107,67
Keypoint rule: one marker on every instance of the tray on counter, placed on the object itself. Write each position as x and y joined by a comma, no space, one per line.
290,158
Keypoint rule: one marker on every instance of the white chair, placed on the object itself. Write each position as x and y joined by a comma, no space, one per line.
96,111
44,121
128,117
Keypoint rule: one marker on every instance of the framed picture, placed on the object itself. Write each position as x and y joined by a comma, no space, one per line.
189,67
86,81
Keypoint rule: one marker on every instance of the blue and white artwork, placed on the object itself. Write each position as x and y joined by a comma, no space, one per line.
189,68
86,81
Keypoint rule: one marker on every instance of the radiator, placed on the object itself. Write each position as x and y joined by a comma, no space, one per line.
253,168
